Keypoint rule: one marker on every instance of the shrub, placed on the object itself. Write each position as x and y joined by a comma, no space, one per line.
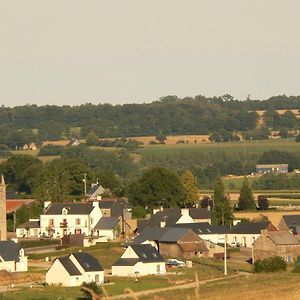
297,265
92,286
270,264
262,202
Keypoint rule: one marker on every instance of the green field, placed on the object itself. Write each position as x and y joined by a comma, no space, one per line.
240,146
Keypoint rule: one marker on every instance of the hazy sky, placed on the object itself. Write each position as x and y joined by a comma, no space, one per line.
72,52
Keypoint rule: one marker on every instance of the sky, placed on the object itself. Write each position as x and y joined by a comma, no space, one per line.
131,51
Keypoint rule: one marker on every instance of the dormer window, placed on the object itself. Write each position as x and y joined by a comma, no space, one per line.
64,211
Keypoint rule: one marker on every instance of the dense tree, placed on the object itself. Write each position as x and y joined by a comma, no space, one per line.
262,202
222,211
206,202
22,215
157,186
92,139
246,199
189,183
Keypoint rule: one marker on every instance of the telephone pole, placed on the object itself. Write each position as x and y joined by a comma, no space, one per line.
84,185
225,255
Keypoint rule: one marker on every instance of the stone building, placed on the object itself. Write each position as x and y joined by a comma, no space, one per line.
276,243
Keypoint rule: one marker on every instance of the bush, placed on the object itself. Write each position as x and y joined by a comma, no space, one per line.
270,264
51,150
297,265
262,202
92,286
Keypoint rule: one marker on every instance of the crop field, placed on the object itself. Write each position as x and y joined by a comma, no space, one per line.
240,146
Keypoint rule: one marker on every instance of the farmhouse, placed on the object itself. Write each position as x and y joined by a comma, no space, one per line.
12,257
272,168
74,269
276,243
139,260
170,216
290,223
245,233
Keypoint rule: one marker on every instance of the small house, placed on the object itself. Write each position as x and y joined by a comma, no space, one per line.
12,257
108,227
290,223
30,228
139,260
272,168
74,269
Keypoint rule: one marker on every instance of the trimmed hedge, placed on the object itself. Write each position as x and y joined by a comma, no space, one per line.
270,264
39,243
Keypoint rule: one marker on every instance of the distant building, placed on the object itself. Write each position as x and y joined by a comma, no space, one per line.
139,260
74,269
290,223
272,168
276,243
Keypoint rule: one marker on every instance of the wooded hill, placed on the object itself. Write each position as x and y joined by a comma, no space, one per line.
169,116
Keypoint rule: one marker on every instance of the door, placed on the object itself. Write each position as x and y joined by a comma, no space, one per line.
97,278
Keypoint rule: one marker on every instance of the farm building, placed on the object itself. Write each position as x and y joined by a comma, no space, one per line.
272,168
139,260
276,243
74,269
290,223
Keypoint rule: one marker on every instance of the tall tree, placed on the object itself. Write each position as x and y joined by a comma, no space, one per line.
189,183
246,199
222,210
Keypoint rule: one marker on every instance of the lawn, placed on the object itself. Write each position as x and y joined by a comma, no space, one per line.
240,146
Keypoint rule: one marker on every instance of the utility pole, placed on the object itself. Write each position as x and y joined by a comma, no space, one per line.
225,255
84,185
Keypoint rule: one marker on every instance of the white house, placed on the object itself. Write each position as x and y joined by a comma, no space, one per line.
74,269
12,257
139,260
30,228
60,219
107,227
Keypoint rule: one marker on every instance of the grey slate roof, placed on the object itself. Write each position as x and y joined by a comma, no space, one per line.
283,238
249,227
126,262
73,208
292,220
107,223
150,234
146,253
204,228
171,216
9,250
30,224
88,262
69,266
173,235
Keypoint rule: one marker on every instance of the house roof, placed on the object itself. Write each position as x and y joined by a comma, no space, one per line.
73,208
283,238
146,253
126,262
249,227
69,265
199,213
204,228
107,223
14,204
88,262
31,224
9,250
272,166
150,234
173,235
292,220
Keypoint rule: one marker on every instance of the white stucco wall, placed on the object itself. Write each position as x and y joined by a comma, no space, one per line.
185,218
140,269
245,240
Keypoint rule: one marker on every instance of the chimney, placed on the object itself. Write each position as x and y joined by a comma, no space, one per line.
264,232
47,204
162,224
99,197
155,210
95,203
185,211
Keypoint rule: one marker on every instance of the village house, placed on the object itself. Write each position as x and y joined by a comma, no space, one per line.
12,257
244,234
29,229
290,223
272,168
95,192
139,260
108,227
170,216
60,219
74,269
276,243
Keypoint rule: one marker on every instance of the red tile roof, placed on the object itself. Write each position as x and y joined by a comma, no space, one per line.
14,204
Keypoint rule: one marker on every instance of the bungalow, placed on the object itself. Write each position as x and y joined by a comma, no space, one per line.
139,260
246,233
276,243
74,269
12,257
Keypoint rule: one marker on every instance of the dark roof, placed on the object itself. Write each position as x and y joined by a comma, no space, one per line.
146,253
173,235
9,250
292,220
204,228
30,224
283,238
126,262
88,262
150,234
141,225
73,208
107,223
93,189
171,216
69,265
249,227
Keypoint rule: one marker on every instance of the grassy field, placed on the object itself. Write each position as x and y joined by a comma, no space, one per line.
240,146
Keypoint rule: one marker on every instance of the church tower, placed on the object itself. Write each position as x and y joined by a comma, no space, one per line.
3,236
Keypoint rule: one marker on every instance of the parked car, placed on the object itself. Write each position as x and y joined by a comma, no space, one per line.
175,263
235,244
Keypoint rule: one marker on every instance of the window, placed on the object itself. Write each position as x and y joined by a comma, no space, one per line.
92,221
77,222
51,222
